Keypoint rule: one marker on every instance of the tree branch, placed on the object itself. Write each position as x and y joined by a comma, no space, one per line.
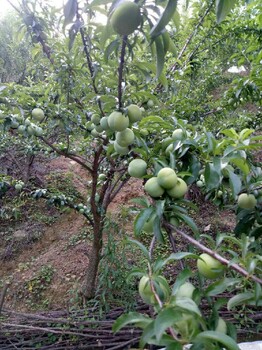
215,255
66,155
120,71
2,295
88,58
181,53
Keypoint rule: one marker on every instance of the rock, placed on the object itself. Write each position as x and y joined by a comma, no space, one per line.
20,235
255,345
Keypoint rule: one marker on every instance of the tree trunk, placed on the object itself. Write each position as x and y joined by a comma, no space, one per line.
89,284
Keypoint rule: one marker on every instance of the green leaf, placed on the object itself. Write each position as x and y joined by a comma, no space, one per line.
174,346
179,256
135,273
245,224
132,317
230,133
142,201
147,335
164,19
160,57
220,286
187,304
141,219
258,291
154,120
225,340
223,7
190,222
245,133
211,141
166,318
113,46
100,2
172,48
235,183
181,279
73,33
166,40
70,9
157,229
240,299
141,246
212,177
242,164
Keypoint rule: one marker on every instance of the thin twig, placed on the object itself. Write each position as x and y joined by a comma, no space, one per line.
120,71
173,244
181,53
66,155
2,296
151,247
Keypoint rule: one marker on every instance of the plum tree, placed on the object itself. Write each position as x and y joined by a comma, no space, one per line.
125,138
38,114
185,290
178,134
159,284
221,326
134,113
93,120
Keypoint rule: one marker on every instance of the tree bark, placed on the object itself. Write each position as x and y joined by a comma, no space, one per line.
89,284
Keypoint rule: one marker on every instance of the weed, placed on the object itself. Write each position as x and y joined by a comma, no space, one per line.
78,238
37,285
114,287
62,184
46,219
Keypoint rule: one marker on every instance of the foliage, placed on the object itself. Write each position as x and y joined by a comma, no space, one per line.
14,53
169,67
178,319
114,289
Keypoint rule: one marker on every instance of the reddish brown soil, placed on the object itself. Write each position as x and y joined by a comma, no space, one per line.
57,248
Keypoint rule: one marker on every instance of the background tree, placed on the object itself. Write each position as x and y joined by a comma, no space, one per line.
14,53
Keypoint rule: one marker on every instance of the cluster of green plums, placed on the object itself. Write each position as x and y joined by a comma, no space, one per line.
25,126
120,124
207,266
150,286
166,180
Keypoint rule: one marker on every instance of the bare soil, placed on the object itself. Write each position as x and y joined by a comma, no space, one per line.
63,246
